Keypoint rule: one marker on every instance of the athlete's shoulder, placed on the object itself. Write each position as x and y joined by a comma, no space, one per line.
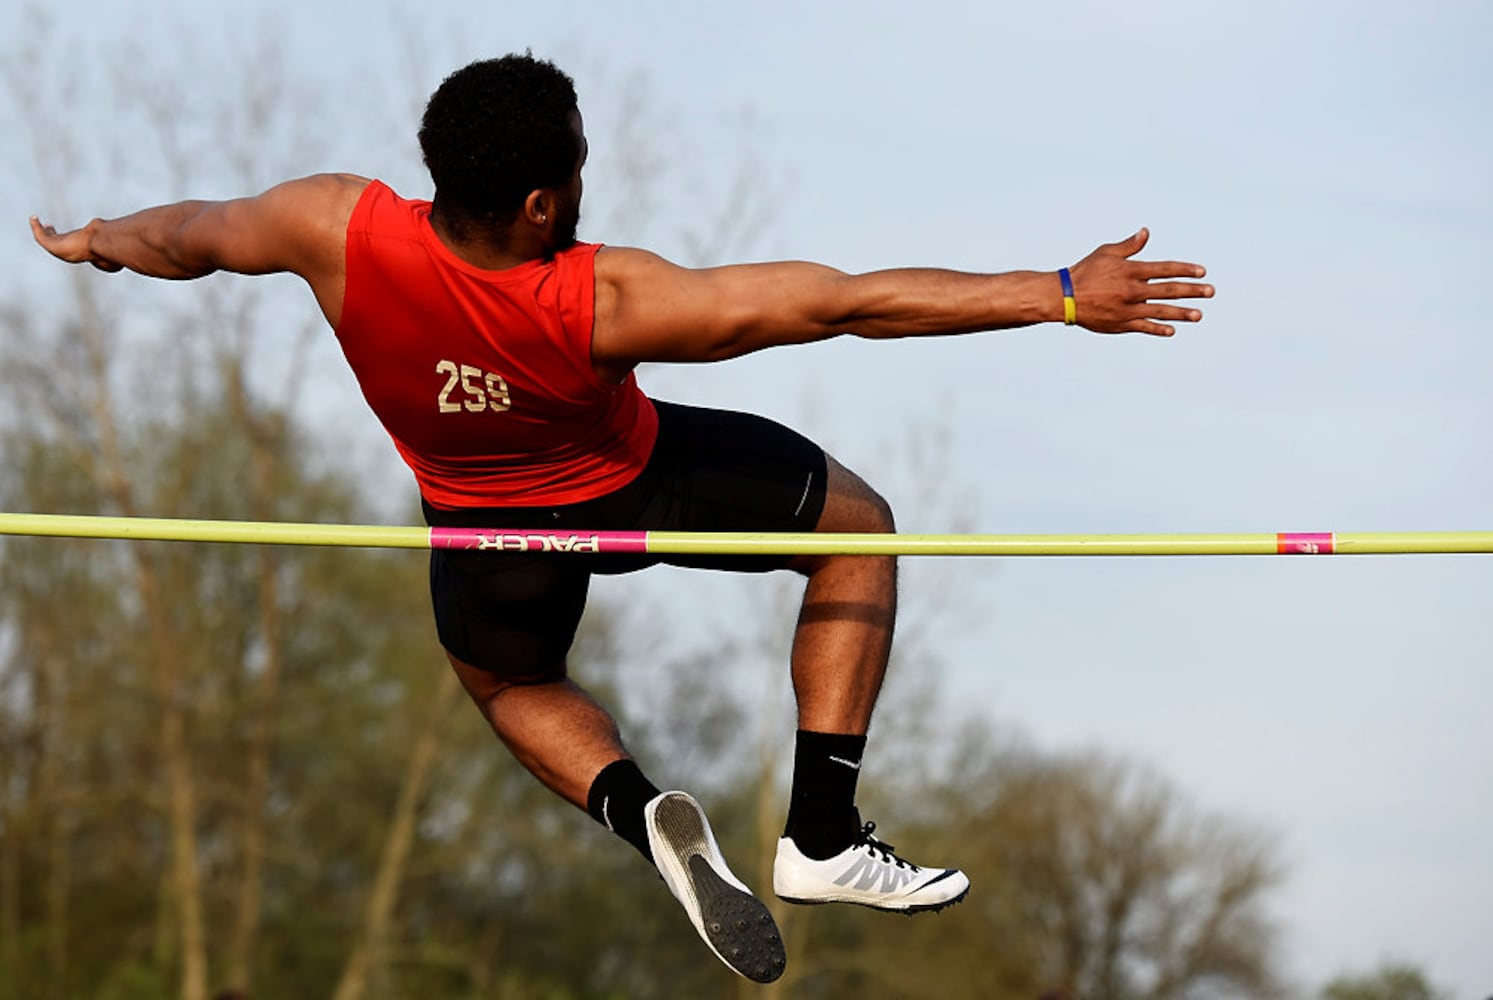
349,191
622,256
372,208
309,211
321,191
582,252
342,181
621,265
576,263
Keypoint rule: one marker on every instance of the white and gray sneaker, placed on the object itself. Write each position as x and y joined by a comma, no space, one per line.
868,873
735,924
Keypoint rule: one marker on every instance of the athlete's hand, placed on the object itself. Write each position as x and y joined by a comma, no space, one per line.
75,247
1114,294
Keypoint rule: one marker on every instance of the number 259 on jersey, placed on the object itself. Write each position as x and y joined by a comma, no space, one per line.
469,388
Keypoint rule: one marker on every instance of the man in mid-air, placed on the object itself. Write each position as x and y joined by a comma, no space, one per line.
498,352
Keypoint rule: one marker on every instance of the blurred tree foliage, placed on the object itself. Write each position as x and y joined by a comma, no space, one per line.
1391,981
247,768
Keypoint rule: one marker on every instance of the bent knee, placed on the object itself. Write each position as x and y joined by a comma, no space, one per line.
872,514
483,684
852,505
881,514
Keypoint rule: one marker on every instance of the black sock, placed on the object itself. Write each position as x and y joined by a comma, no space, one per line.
616,801
822,820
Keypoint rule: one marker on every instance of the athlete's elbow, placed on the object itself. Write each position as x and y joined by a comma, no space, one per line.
203,241
751,337
727,344
183,263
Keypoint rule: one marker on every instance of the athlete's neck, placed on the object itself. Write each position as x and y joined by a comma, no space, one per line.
481,249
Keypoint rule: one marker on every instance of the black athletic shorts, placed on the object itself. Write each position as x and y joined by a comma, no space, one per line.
515,614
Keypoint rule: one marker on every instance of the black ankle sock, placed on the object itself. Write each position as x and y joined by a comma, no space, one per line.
822,820
616,801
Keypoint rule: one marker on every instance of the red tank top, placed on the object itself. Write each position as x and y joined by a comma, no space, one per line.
484,378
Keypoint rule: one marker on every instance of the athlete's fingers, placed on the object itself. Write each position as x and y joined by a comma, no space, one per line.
41,233
53,242
1145,326
72,246
1181,314
1178,290
1169,269
1130,245
1149,327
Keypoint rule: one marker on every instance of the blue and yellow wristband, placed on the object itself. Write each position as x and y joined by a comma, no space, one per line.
1070,307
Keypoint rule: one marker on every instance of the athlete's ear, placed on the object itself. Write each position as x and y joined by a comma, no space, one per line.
538,207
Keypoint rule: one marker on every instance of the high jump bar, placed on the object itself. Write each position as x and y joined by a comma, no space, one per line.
745,543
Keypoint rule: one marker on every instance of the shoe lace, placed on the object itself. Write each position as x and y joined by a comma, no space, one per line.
881,847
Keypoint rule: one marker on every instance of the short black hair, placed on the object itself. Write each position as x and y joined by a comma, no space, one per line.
495,130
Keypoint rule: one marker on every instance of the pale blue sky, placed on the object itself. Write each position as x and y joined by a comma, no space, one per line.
1332,164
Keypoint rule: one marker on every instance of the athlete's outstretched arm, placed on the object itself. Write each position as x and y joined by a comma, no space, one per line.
650,310
298,226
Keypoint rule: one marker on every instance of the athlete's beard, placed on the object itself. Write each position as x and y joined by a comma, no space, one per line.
565,230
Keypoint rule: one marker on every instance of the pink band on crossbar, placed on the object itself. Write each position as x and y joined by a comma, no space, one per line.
1306,543
526,540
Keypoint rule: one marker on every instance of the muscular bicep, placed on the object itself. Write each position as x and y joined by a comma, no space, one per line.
648,309
298,226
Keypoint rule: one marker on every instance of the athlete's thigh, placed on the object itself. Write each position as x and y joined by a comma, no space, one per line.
512,614
722,470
